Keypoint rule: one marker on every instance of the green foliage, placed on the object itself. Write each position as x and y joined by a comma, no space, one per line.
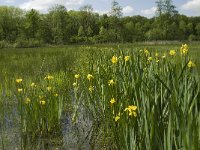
28,119
103,35
3,44
166,7
40,104
23,43
32,24
192,37
81,32
128,32
89,31
10,23
166,93
60,26
198,29
116,10
58,18
143,99
77,39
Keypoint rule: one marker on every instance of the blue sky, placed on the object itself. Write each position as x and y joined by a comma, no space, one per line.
130,7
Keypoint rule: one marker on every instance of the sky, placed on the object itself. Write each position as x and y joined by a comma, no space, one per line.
145,8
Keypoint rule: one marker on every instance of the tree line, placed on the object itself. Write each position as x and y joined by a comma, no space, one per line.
60,26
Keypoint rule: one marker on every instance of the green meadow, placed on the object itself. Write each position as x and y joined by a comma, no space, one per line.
126,96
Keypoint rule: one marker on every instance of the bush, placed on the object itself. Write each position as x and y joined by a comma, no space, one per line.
21,43
34,43
192,37
76,39
3,44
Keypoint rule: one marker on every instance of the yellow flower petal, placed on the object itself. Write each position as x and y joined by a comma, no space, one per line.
33,84
117,118
91,88
114,59
49,88
90,77
18,80
111,82
133,107
42,102
127,58
172,52
19,90
27,101
77,76
191,64
75,84
48,77
112,101
150,59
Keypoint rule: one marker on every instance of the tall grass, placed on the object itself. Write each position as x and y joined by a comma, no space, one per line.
135,99
34,93
143,100
1,122
40,104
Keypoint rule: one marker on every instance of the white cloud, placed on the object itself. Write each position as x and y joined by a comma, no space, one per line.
192,5
9,1
128,10
43,5
149,12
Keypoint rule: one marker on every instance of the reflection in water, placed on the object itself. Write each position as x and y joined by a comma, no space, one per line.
68,136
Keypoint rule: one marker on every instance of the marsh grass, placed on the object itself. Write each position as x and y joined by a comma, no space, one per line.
149,101
40,104
37,109
141,103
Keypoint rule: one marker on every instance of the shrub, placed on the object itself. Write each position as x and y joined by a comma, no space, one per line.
77,39
3,44
192,37
21,43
